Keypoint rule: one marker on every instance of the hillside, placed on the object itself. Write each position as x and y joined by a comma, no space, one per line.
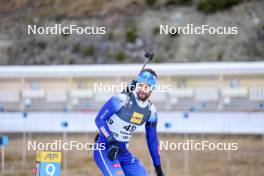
131,26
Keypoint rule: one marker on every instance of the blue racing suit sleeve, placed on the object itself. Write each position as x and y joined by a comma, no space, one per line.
113,105
152,138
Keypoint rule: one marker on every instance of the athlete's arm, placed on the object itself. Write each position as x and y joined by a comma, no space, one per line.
152,138
113,105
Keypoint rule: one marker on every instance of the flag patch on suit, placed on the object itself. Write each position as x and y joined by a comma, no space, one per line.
136,118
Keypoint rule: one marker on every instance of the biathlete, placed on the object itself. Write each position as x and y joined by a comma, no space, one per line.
118,119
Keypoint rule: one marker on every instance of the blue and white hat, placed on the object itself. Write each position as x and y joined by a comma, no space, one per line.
148,78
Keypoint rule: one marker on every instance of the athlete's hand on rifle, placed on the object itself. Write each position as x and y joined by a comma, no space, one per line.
131,87
113,150
159,171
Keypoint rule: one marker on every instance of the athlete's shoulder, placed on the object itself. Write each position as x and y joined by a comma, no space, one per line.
152,107
119,99
153,114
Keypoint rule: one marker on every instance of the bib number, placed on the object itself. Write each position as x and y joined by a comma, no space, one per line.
130,128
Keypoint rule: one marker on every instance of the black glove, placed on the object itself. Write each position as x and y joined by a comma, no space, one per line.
113,150
131,86
159,171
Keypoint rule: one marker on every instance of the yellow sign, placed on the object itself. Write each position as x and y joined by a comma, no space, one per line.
49,156
137,118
